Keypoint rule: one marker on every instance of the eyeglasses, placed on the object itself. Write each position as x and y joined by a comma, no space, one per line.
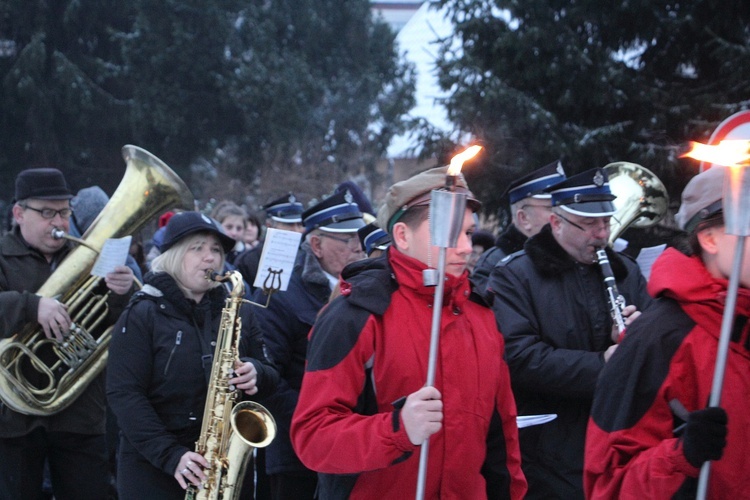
50,213
352,242
589,227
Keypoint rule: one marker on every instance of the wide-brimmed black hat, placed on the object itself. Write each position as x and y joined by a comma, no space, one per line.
42,184
586,194
336,214
285,209
185,223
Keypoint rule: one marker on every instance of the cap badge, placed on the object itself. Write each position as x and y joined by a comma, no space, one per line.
559,169
598,179
292,198
348,197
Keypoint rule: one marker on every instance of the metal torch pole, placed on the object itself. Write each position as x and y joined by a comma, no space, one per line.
446,217
736,205
437,309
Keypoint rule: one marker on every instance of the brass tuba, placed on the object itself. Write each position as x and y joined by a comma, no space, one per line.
41,376
642,199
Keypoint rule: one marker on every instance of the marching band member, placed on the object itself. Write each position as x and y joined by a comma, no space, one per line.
161,356
73,440
551,306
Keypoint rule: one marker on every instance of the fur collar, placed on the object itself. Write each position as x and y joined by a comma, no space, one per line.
550,259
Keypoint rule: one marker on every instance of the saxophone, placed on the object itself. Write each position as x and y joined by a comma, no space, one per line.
230,430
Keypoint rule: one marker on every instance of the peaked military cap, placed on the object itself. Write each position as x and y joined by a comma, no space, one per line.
534,184
373,238
285,209
336,214
586,194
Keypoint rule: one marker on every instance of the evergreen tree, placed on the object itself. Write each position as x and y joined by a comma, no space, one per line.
593,82
62,94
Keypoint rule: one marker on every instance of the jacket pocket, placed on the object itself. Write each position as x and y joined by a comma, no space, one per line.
177,342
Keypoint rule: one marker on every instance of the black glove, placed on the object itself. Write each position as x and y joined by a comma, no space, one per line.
705,435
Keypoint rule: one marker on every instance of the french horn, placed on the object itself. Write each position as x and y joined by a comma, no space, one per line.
642,200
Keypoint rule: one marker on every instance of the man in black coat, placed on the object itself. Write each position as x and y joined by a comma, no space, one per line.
530,208
72,440
551,306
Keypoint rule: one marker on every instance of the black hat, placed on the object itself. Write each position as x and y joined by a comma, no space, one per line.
586,194
336,214
185,223
42,184
371,237
285,209
534,184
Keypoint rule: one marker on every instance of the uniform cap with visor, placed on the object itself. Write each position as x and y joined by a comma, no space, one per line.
586,194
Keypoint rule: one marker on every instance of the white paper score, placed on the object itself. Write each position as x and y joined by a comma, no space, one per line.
114,253
277,259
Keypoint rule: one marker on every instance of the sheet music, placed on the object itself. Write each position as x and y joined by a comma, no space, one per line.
647,256
114,253
529,420
279,253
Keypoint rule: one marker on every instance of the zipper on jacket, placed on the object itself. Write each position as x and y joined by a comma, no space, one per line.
177,341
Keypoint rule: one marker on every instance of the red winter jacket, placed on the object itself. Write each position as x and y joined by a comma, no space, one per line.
632,447
368,349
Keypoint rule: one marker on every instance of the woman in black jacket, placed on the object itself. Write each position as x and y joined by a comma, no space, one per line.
161,356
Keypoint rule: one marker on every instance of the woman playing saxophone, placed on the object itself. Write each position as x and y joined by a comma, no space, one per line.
161,359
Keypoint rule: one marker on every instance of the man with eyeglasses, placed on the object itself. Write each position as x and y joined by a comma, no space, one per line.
551,306
73,440
530,207
330,243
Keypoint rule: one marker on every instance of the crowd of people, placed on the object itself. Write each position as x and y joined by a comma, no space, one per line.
525,327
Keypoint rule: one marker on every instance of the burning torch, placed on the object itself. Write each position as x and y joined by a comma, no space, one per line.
734,155
446,215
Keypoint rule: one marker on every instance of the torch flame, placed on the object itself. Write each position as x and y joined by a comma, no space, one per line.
727,153
458,161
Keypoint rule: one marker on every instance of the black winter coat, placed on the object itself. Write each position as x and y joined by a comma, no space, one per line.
159,365
554,316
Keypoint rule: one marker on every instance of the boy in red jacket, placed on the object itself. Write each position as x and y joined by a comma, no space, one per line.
364,411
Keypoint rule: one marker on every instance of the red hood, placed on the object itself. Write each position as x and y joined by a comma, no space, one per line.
408,272
686,280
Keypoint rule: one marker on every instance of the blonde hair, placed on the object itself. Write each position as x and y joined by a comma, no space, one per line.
170,262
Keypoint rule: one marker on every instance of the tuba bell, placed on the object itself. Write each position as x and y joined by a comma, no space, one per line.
41,376
642,199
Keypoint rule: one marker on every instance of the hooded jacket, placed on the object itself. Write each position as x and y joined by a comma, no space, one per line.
160,362
633,447
553,313
369,350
